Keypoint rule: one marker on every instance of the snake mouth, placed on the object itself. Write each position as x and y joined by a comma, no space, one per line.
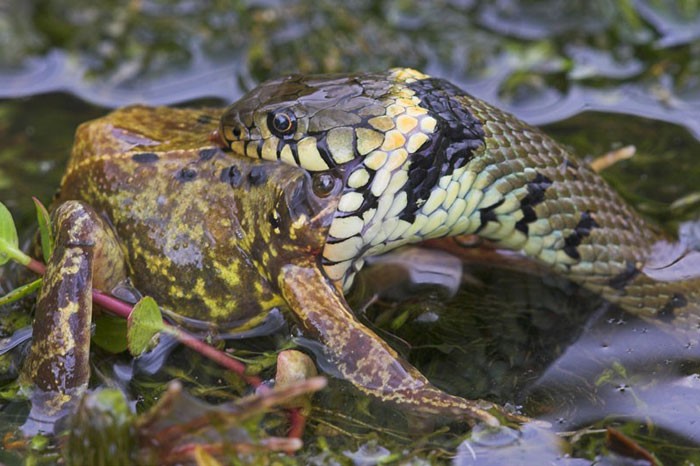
216,139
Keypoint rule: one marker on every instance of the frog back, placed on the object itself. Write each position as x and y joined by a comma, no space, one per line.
173,201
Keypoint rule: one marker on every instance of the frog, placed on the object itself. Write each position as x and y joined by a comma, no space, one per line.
150,202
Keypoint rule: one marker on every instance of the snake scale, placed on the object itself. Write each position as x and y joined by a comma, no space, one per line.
413,157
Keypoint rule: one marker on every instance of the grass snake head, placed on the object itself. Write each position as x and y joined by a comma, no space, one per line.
388,139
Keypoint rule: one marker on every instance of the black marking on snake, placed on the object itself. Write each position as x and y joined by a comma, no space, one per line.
280,145
231,175
457,135
621,280
257,176
295,152
325,153
535,194
666,313
487,214
582,230
186,174
257,145
369,200
145,157
207,154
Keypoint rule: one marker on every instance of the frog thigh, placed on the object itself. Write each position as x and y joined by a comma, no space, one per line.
361,357
86,253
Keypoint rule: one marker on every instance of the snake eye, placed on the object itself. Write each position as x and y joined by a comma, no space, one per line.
324,183
282,124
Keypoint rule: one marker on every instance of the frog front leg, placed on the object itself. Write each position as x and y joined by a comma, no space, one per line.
86,255
363,358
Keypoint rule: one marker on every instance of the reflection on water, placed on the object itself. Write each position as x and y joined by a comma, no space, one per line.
545,60
560,354
626,369
493,338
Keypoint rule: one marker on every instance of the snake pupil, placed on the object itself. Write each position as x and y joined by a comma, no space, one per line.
281,124
323,184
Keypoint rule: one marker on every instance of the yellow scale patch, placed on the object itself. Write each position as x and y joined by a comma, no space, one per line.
308,152
452,208
386,148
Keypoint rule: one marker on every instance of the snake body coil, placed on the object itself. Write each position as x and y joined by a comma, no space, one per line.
417,158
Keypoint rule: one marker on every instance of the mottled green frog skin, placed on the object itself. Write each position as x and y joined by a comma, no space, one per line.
218,240
197,226
146,196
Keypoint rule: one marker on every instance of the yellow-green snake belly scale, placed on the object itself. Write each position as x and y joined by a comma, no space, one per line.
413,157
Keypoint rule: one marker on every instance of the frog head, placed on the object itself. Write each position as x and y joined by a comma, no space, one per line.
284,214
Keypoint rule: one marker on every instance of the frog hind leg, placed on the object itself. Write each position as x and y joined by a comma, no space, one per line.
86,254
364,359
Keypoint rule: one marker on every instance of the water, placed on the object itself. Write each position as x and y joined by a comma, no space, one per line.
600,75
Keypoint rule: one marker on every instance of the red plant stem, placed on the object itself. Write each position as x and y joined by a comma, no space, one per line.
111,303
36,266
215,355
297,422
123,309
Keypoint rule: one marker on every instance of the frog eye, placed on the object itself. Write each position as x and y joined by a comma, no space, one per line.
324,184
282,124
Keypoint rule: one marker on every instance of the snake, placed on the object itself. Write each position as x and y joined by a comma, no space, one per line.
413,157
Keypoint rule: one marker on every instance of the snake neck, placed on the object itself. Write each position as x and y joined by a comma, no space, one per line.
451,164
408,162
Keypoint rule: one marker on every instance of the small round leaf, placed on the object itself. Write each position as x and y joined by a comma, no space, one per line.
145,322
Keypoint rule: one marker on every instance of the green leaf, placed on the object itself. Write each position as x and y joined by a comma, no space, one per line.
110,333
21,292
39,442
44,220
143,325
8,235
